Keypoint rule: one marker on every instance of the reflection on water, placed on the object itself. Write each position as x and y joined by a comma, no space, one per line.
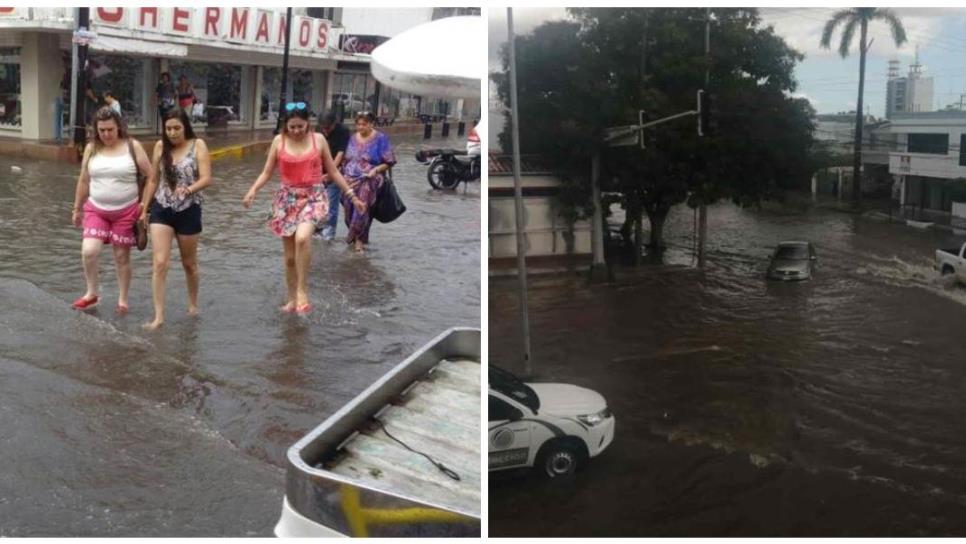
191,423
846,386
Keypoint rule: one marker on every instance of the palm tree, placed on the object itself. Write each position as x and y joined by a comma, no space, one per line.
851,18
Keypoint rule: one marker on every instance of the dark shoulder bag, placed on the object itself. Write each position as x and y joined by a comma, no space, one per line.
140,231
388,206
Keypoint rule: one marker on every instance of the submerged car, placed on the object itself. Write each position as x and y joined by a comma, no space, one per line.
552,427
792,261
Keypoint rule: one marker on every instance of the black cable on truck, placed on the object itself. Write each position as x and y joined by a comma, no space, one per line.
443,468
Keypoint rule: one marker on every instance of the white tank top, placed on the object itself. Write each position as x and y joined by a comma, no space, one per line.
114,183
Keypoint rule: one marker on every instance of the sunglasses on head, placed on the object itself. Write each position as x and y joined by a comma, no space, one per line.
292,106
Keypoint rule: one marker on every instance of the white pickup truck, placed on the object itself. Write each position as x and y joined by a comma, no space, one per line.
952,261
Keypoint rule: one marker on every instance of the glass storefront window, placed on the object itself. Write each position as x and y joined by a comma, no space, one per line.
124,76
9,86
300,81
217,88
352,93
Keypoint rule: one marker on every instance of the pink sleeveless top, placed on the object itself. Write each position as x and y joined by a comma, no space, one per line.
300,170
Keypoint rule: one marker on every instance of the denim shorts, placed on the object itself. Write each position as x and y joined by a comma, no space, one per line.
186,222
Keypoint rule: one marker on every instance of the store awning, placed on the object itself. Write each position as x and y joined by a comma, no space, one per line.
111,44
442,58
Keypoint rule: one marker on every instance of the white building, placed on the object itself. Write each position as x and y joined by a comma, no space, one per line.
231,55
910,94
926,157
549,245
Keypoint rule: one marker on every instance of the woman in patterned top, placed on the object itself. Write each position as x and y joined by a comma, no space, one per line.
180,169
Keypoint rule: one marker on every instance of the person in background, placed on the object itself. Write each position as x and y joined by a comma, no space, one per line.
473,147
180,169
338,138
106,203
112,102
300,205
164,95
367,159
186,93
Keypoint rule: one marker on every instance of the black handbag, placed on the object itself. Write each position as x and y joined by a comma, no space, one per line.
388,206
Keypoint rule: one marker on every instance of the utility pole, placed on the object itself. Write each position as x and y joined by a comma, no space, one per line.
703,206
281,94
518,198
79,83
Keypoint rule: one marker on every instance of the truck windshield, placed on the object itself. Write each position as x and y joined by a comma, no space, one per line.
511,386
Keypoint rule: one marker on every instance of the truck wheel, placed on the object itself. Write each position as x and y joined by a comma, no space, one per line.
947,270
558,459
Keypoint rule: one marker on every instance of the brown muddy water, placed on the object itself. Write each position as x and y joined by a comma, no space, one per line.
832,407
112,431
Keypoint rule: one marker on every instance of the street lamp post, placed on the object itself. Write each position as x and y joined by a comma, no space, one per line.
281,94
518,199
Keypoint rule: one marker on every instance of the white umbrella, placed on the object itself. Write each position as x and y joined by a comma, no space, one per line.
441,58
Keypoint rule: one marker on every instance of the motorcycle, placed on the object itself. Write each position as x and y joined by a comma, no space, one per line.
449,167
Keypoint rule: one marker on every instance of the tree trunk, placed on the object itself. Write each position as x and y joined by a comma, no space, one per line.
857,160
638,237
657,219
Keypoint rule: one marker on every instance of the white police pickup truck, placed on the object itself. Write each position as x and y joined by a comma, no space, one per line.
952,261
552,427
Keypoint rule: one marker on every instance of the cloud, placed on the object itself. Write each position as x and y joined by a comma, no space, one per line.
802,29
524,21
813,101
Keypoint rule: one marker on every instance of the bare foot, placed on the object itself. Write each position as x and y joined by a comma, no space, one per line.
154,325
192,311
288,307
121,309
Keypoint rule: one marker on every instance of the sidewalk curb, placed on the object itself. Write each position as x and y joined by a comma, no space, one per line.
238,151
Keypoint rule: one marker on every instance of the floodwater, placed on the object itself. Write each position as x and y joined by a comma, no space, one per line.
113,431
832,407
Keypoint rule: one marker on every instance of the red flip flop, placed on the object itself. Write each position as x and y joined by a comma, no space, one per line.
85,304
304,309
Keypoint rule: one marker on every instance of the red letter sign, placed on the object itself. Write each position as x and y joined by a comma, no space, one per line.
323,36
239,23
143,15
305,32
179,20
107,15
212,16
262,28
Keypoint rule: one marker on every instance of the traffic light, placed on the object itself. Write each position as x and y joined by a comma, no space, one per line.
704,113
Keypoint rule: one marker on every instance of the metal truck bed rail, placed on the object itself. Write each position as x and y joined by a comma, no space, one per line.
350,476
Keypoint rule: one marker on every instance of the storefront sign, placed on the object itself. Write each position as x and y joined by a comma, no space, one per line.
241,25
360,44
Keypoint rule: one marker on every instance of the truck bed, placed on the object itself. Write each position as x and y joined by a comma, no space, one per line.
348,477
440,416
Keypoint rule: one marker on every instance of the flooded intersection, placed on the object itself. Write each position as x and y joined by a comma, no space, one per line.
746,408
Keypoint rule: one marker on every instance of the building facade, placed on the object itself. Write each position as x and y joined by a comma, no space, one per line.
232,56
910,94
551,245
926,158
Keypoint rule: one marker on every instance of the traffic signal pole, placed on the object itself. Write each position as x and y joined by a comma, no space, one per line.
703,206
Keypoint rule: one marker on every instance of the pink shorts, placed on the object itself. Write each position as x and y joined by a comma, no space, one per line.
111,227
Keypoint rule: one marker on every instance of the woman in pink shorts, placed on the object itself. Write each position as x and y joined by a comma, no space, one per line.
106,203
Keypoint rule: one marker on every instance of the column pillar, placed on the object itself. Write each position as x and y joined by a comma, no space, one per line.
41,69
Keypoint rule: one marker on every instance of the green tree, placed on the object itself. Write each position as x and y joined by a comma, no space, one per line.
577,77
850,19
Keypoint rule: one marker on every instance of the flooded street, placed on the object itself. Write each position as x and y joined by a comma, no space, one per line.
114,431
832,407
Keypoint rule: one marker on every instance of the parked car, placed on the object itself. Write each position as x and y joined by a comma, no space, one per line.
792,260
552,427
952,261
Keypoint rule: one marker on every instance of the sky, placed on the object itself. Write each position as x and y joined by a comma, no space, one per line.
826,79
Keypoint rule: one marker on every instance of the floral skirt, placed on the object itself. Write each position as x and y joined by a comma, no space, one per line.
293,206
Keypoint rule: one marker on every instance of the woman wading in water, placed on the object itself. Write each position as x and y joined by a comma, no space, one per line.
300,205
